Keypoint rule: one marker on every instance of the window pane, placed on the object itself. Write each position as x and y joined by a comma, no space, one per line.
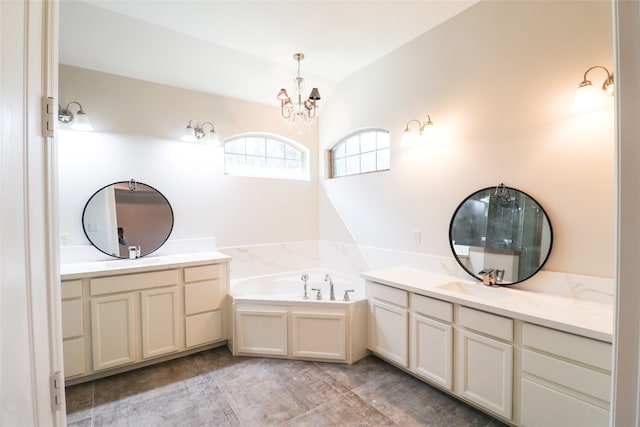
353,145
256,146
275,164
264,155
368,150
384,140
293,167
383,159
275,148
233,162
339,167
368,162
256,162
292,153
353,165
367,141
235,146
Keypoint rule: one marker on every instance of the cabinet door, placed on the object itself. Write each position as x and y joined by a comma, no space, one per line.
319,335
388,332
485,372
113,331
261,332
159,317
431,344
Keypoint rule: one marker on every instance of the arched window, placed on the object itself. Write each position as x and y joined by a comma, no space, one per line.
367,150
265,155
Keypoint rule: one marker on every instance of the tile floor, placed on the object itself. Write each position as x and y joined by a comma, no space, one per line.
212,388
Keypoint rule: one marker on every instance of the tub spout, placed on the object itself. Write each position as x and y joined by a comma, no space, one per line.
332,294
305,278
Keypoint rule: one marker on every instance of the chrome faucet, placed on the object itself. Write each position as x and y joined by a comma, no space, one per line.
332,294
319,294
488,276
491,276
305,278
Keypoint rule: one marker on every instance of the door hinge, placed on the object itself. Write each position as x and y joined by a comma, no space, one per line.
49,117
57,390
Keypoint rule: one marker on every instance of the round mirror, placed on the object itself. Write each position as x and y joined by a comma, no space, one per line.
125,214
500,231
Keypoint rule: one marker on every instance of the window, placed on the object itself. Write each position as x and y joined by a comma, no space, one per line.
364,151
265,155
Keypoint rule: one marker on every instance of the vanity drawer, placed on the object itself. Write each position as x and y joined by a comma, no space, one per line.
389,294
566,345
203,328
202,296
133,282
575,377
432,307
71,289
203,272
487,323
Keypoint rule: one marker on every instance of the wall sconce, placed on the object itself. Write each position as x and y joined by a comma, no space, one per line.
80,120
423,134
587,96
195,132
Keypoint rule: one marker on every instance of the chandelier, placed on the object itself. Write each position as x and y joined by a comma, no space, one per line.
297,110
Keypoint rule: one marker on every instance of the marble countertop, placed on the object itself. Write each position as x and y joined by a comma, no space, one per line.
590,318
149,263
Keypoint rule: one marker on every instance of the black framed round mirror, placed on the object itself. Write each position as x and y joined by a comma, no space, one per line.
127,214
501,231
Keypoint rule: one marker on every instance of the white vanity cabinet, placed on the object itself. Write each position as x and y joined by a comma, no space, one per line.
120,319
521,372
73,340
123,305
389,323
566,379
431,340
485,360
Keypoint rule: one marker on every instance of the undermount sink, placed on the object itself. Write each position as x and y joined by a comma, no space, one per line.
475,290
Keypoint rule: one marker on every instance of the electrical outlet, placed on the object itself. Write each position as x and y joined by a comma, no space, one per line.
417,236
65,239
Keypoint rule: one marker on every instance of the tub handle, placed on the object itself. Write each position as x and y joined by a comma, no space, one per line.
346,294
318,295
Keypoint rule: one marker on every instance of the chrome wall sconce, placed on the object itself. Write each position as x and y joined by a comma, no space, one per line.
587,96
424,132
195,132
79,121
296,110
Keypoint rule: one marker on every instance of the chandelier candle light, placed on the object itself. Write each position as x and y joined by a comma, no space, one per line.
296,110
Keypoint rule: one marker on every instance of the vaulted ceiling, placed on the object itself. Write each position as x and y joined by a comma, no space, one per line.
241,49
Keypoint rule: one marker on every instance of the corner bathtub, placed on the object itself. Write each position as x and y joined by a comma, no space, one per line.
272,319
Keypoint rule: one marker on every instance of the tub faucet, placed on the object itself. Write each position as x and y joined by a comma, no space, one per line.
305,278
332,294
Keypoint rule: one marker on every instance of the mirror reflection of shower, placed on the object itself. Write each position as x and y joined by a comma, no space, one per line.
501,228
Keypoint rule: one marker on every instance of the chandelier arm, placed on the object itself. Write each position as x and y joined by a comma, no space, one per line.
282,112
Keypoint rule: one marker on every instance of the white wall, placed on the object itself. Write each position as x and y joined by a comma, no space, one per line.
498,80
138,126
